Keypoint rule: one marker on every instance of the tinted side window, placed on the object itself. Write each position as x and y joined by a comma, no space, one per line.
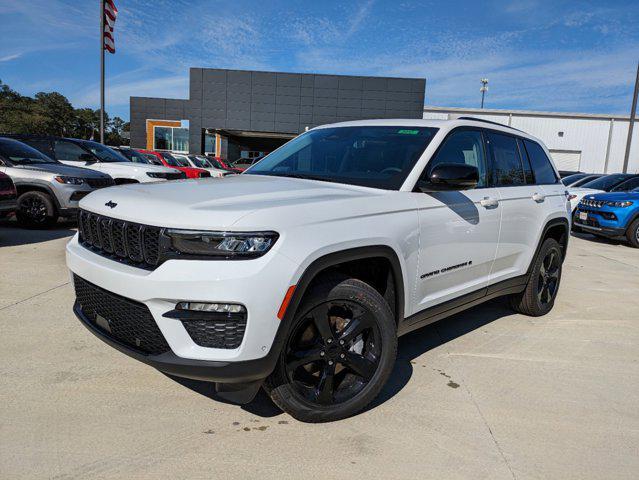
68,151
525,160
41,145
544,173
462,146
627,185
507,168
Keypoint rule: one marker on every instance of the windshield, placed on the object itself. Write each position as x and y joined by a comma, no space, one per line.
370,156
606,182
105,154
171,160
134,156
200,162
20,154
182,160
215,163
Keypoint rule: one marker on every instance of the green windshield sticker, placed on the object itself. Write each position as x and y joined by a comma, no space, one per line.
408,132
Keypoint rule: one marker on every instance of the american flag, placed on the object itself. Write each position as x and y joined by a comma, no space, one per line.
110,13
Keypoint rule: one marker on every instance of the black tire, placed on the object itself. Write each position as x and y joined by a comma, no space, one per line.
632,234
538,298
362,351
36,210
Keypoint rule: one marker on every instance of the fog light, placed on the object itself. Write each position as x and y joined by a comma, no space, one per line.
211,307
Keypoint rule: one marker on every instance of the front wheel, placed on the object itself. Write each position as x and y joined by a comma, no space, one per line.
543,284
36,210
632,234
339,353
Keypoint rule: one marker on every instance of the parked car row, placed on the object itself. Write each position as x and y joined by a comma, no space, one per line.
49,175
613,214
578,187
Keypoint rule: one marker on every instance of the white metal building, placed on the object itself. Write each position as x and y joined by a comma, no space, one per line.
577,141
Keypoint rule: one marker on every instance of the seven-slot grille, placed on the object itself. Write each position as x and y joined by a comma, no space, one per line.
593,203
124,320
126,242
99,182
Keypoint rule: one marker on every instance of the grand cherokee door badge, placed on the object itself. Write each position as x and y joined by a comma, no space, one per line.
447,269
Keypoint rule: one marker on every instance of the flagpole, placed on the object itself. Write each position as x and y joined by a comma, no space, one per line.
101,71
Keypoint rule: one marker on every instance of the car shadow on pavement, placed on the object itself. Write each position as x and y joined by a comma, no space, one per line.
598,239
415,344
411,346
11,234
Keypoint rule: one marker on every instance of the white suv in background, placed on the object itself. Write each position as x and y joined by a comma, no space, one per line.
299,275
94,155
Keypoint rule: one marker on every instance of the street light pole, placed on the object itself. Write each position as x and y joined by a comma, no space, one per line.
633,112
483,90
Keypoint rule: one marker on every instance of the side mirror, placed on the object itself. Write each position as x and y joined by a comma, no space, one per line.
87,157
453,176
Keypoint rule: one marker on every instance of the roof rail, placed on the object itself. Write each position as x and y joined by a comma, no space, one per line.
474,119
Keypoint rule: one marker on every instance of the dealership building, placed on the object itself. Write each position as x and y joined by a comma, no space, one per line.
239,113
235,113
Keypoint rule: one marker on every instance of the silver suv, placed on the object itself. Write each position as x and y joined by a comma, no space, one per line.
46,188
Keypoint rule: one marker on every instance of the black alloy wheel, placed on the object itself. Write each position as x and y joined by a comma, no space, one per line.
548,277
333,353
36,210
339,352
538,297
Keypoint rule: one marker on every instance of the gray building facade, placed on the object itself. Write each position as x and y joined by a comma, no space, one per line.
231,105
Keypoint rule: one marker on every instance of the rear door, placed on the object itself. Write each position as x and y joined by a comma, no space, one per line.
522,204
459,230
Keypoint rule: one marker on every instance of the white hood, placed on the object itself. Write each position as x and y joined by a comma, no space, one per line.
217,203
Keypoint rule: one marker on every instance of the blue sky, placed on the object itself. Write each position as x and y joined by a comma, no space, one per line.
538,55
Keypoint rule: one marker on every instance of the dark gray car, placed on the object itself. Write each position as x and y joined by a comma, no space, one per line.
47,189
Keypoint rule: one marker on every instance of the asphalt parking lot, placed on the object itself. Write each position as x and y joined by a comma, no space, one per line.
485,394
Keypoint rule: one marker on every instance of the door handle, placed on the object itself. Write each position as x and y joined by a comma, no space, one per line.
538,197
488,202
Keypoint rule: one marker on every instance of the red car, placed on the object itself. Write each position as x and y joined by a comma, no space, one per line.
8,196
169,160
218,162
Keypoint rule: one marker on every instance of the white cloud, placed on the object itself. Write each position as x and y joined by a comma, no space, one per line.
8,58
119,91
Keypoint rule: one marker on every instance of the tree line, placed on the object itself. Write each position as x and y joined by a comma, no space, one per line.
51,113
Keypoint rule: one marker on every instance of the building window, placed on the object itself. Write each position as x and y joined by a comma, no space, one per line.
175,139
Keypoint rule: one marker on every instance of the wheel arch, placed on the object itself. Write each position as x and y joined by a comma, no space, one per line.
558,229
22,188
352,257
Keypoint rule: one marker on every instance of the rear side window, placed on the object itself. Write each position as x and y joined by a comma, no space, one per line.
507,168
69,151
544,173
525,161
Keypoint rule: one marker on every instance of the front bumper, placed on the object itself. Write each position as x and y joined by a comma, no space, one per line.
597,224
259,284
171,364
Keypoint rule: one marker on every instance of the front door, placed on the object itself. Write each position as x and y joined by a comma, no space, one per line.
459,230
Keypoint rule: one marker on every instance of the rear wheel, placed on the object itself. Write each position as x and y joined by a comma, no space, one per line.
632,233
339,354
541,290
36,210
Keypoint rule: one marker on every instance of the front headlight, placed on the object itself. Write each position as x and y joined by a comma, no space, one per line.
69,180
619,204
221,244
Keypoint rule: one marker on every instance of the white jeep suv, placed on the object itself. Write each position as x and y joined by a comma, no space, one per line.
298,275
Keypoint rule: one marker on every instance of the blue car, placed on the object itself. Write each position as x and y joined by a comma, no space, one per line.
610,215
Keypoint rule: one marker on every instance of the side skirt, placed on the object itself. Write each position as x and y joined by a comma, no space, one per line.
456,305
